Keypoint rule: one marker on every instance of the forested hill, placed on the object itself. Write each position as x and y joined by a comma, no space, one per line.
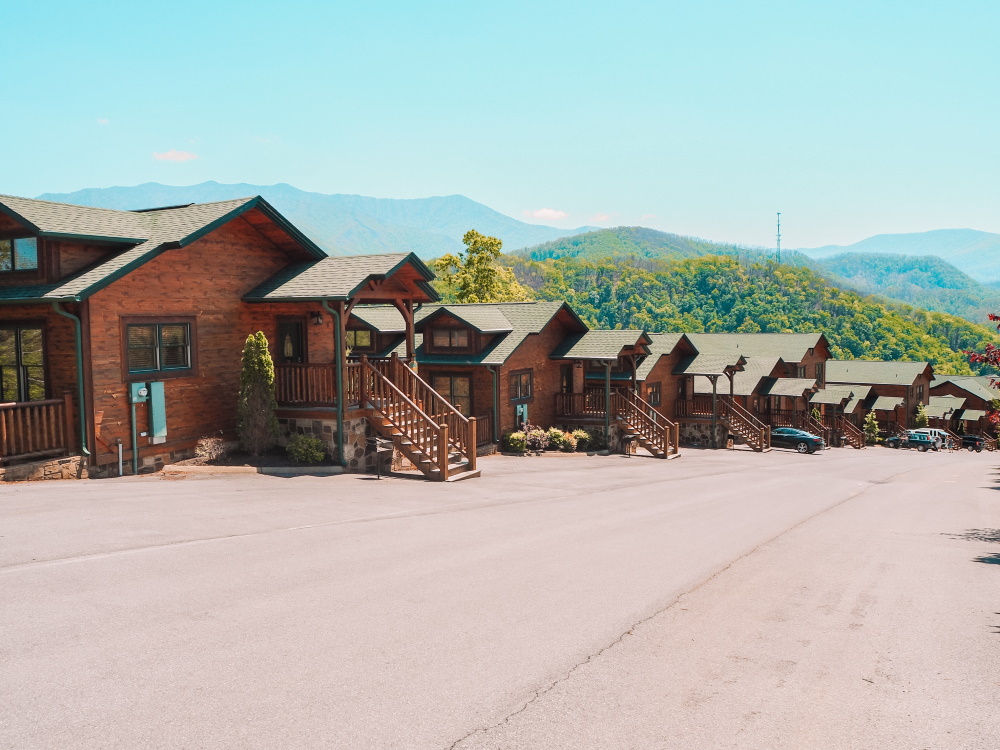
638,242
729,293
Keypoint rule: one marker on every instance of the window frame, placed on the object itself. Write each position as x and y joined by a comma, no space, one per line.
357,349
25,273
470,339
191,371
46,374
652,388
452,375
521,399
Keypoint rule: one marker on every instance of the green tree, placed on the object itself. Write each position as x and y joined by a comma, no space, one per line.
921,419
871,428
256,423
475,276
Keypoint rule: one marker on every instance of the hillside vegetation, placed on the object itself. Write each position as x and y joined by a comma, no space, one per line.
717,293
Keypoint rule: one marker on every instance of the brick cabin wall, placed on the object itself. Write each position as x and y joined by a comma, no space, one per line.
820,354
906,392
206,280
663,373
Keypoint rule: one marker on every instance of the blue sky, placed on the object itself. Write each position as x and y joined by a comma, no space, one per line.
701,118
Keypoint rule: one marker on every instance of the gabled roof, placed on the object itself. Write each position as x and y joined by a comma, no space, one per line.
710,364
858,395
794,387
482,318
150,232
887,403
835,396
746,381
606,345
791,347
382,318
971,415
525,319
661,344
941,407
337,278
975,386
873,372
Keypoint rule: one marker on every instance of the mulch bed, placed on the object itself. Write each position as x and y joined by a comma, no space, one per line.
274,458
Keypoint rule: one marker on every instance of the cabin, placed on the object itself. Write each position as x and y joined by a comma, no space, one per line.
121,335
971,416
888,381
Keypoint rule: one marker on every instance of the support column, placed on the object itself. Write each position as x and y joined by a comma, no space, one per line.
715,410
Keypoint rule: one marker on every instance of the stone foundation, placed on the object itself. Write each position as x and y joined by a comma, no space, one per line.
359,457
69,467
699,434
147,464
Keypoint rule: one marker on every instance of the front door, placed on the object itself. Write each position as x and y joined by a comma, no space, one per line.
291,347
456,389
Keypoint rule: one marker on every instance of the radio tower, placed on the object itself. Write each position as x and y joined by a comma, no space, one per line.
779,237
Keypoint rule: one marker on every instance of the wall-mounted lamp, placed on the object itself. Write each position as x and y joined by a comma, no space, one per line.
317,317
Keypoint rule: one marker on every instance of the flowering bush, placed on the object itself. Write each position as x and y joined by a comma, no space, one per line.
515,442
538,439
582,439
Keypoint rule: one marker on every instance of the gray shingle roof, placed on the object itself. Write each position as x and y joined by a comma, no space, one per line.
794,387
484,318
887,403
599,345
709,364
873,372
971,415
154,231
333,278
746,381
383,318
525,319
975,386
791,347
831,396
661,345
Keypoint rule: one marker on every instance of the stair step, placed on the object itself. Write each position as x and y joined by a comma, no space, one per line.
464,475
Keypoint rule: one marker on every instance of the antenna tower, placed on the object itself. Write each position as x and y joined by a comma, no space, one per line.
779,237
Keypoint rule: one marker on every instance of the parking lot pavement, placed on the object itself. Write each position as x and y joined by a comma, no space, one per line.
726,599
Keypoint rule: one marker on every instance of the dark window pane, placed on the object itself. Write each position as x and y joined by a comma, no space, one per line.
141,348
463,404
363,339
25,253
461,387
6,255
8,349
174,340
31,346
441,337
460,338
442,384
35,383
8,384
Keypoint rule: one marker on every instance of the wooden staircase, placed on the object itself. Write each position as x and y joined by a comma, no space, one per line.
741,422
852,434
423,426
635,416
810,424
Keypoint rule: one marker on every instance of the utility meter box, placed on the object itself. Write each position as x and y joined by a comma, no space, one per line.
138,393
152,394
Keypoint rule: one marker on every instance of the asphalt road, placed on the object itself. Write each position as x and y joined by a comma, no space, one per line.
849,599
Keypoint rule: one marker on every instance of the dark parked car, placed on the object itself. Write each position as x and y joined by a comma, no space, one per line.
973,443
800,440
912,439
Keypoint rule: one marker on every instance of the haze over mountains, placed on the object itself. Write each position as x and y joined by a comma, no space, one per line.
343,224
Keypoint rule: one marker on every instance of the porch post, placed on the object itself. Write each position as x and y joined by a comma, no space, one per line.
338,345
405,308
715,411
607,402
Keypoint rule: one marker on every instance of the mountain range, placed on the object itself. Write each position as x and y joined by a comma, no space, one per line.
344,224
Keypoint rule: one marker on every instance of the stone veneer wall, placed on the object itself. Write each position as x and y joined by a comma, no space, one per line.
69,467
358,456
700,434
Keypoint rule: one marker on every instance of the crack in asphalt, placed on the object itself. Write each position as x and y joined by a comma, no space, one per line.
539,693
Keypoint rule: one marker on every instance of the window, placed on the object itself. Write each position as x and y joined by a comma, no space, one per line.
920,393
801,371
19,254
450,338
520,385
359,340
819,371
653,394
456,389
22,363
158,347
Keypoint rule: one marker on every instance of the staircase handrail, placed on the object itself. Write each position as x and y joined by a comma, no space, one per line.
461,434
635,410
754,429
851,432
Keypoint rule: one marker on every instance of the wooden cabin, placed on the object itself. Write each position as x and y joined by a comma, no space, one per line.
909,381
121,335
978,396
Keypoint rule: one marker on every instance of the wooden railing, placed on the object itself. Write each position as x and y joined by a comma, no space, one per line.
35,429
658,433
991,443
315,384
580,405
461,434
699,406
746,425
484,429
809,423
853,435
781,418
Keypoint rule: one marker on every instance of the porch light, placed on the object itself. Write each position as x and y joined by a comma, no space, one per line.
317,317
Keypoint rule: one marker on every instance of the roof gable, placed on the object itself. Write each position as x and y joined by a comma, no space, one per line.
874,372
603,345
791,347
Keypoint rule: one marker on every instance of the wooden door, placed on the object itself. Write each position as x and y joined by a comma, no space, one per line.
291,344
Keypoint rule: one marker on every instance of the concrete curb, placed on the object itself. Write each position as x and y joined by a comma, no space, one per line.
290,471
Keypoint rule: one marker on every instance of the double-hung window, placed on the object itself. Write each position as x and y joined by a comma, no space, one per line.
653,394
450,338
359,340
158,347
19,254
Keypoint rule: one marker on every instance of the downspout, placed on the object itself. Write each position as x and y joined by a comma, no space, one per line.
78,332
715,412
338,347
495,372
